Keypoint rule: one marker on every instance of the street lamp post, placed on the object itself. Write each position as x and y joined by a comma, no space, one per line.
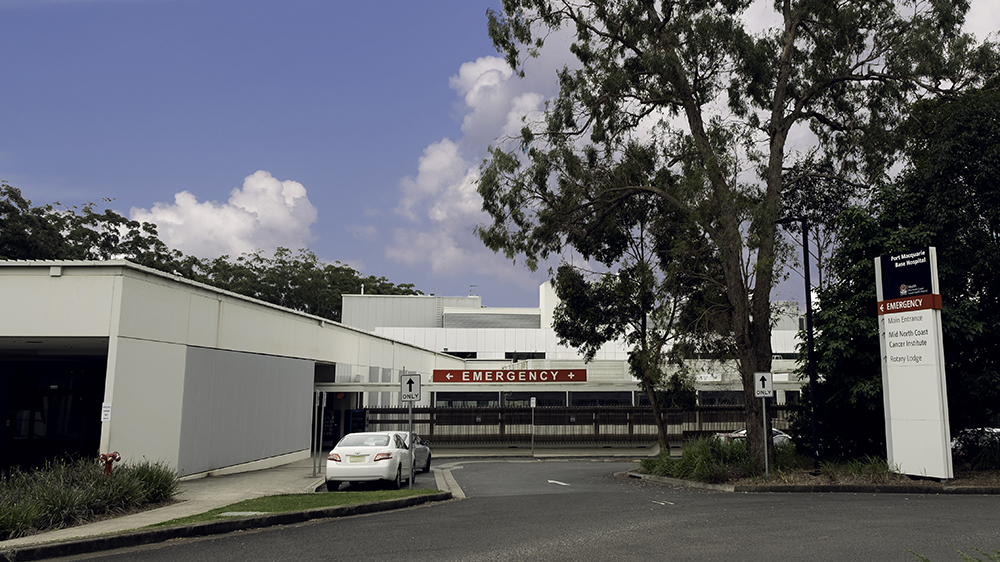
810,362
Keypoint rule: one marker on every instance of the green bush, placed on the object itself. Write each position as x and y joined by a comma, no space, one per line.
67,492
978,449
714,461
704,460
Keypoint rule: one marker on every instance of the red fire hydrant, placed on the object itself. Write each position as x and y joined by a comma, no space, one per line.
109,458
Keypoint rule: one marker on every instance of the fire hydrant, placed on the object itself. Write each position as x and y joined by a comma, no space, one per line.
109,458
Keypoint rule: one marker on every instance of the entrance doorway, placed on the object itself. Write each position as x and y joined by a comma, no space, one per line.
51,408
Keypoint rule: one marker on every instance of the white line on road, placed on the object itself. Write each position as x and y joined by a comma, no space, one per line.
558,482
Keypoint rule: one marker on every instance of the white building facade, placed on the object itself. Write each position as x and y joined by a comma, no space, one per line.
521,339
97,357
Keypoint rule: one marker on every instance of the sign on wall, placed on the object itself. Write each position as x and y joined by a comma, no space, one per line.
510,376
914,387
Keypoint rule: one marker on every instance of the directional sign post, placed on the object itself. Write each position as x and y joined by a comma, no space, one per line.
409,392
533,402
409,388
764,389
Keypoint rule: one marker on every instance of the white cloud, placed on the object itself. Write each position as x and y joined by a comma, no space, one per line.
264,214
440,173
441,200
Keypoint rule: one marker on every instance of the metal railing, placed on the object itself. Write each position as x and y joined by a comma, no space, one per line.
561,425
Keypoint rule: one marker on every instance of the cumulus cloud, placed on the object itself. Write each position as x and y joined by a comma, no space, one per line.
442,175
441,201
264,214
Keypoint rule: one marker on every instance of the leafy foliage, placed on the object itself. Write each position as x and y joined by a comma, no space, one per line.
297,281
715,461
68,492
947,198
673,101
56,232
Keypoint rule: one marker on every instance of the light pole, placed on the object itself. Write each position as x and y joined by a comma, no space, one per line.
810,362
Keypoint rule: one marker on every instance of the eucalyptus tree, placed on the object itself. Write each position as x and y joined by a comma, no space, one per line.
54,231
298,281
717,102
650,285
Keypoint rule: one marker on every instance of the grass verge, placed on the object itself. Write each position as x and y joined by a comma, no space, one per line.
296,502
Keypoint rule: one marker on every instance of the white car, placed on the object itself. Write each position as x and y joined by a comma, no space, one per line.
374,456
421,454
780,437
971,441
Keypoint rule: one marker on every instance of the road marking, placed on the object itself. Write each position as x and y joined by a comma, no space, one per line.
558,482
445,481
663,503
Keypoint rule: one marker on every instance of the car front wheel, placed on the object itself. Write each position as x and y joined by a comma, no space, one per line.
427,465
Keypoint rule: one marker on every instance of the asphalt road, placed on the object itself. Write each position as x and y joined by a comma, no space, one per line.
578,510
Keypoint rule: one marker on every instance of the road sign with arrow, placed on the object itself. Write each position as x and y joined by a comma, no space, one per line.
763,385
409,388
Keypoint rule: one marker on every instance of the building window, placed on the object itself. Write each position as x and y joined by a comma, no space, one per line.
721,398
601,398
523,355
466,399
542,399
461,354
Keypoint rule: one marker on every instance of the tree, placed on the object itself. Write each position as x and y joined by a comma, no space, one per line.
300,282
645,301
946,197
57,232
25,231
688,82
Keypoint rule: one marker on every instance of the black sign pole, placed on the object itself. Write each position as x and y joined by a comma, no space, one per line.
810,347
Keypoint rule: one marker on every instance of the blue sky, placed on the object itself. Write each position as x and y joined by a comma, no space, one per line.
351,128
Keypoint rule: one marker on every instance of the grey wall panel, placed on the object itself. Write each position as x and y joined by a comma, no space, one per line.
241,407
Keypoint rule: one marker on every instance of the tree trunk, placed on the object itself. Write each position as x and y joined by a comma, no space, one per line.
661,425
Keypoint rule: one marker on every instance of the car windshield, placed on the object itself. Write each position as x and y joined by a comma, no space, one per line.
364,440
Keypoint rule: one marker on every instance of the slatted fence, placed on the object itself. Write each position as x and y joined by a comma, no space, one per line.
585,425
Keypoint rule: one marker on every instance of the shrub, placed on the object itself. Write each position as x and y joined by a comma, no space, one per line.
66,492
714,461
705,460
979,449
